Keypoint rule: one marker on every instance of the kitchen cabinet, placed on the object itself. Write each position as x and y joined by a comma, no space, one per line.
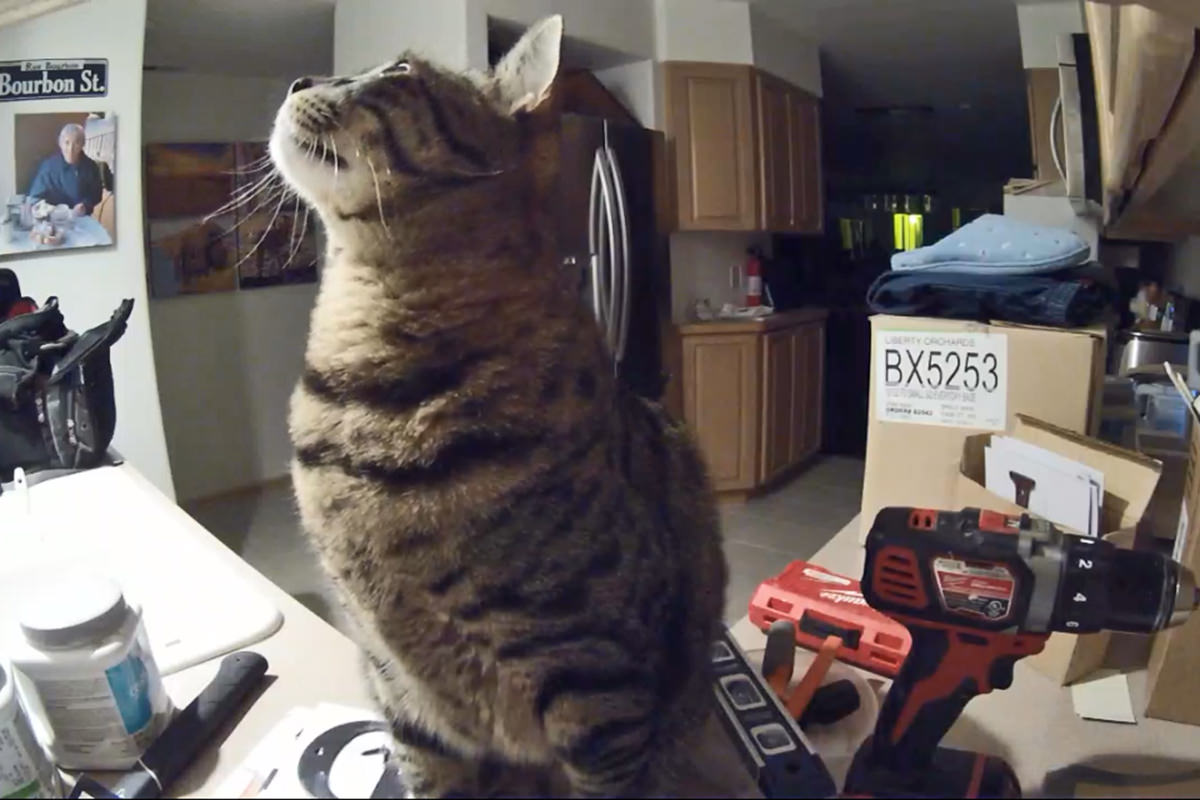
775,141
808,383
804,116
779,417
793,372
720,400
747,150
753,393
714,147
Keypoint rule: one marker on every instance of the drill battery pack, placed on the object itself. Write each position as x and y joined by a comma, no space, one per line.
820,604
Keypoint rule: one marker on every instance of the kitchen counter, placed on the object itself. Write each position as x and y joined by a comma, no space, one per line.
309,662
782,319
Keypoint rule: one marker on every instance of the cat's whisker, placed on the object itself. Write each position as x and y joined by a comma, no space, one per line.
303,231
255,166
271,198
292,241
246,191
333,142
266,231
248,195
378,198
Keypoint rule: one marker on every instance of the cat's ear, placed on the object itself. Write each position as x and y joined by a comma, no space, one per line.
524,77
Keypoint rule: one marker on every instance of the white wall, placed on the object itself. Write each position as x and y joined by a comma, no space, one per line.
703,30
1040,25
623,25
91,283
186,107
227,365
700,264
368,32
1053,210
227,362
1183,267
634,85
785,53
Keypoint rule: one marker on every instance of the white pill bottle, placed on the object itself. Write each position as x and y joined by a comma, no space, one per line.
84,666
24,769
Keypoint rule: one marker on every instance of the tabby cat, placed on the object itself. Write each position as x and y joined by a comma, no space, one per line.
530,553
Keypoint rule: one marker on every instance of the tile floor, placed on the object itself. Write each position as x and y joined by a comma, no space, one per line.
761,536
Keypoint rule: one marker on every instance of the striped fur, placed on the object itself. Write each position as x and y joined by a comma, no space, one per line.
530,554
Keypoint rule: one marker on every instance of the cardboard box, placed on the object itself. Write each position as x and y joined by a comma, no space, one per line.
915,432
1175,653
1129,483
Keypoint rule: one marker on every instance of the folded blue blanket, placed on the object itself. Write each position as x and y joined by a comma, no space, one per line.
998,245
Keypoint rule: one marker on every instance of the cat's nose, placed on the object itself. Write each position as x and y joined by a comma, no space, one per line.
300,84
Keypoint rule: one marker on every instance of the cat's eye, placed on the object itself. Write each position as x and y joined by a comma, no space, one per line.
399,68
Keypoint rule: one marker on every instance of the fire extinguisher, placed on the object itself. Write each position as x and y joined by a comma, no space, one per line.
754,284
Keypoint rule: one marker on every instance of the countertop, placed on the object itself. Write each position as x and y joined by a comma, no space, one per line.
310,662
782,319
1033,725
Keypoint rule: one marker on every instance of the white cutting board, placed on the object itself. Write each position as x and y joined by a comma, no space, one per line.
111,520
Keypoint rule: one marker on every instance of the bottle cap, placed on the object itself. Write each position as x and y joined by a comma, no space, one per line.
72,609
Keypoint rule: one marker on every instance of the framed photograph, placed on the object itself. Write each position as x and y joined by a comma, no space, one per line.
61,192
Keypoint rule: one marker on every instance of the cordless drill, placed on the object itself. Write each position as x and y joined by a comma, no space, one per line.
980,590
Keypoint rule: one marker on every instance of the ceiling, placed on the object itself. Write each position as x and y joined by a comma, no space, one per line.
911,52
268,38
14,11
957,63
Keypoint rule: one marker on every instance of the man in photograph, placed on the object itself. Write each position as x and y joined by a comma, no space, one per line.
69,177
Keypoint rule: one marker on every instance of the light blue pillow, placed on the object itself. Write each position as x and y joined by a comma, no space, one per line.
996,244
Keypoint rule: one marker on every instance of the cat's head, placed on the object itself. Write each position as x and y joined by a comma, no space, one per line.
357,146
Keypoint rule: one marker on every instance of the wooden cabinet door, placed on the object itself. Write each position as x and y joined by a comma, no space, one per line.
809,394
710,118
721,379
775,153
799,408
808,214
778,427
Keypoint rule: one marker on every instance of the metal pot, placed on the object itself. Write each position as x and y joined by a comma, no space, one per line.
1137,350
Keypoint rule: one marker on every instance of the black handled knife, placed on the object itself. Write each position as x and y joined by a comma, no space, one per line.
187,734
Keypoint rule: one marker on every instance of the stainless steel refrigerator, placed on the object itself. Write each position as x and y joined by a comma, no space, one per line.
607,233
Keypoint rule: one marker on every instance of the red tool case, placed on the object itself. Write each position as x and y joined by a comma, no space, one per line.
821,603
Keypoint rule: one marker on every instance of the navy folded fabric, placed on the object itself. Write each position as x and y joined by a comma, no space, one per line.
1066,301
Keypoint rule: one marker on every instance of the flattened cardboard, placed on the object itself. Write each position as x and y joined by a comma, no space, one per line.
1175,654
1054,374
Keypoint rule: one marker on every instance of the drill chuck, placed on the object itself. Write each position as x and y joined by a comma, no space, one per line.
1084,585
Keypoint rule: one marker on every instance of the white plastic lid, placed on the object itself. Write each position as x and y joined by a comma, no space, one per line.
7,695
72,609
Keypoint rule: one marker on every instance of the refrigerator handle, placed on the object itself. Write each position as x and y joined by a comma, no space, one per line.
610,267
626,275
594,239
